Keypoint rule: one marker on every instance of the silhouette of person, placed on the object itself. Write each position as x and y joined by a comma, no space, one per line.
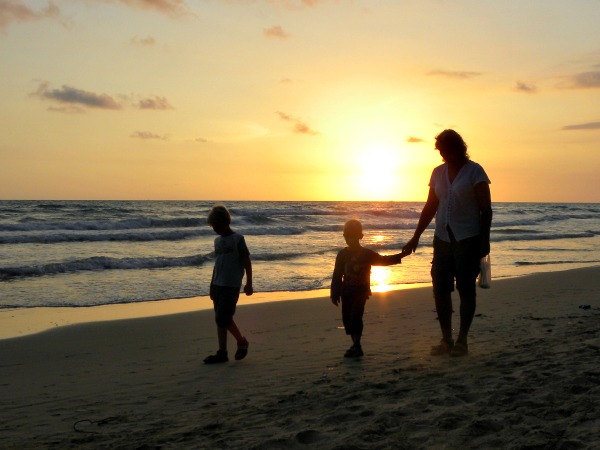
459,198
351,282
232,261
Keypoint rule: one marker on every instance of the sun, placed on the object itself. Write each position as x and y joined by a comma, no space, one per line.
378,171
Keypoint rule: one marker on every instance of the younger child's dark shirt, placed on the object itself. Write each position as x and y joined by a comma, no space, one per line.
352,273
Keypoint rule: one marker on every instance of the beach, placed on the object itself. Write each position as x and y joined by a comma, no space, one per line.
531,380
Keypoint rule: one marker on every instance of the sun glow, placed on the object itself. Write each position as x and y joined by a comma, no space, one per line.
378,169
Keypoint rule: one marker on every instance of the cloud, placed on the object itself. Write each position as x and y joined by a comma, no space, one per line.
528,88
148,135
159,103
414,140
12,11
583,126
201,140
295,4
144,42
454,74
276,32
299,126
173,8
585,80
71,98
74,100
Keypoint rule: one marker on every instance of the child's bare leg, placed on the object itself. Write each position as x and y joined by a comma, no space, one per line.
235,331
356,339
222,335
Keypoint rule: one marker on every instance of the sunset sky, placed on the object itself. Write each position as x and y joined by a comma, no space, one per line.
296,99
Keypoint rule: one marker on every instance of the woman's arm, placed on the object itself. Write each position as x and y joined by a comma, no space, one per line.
425,219
484,200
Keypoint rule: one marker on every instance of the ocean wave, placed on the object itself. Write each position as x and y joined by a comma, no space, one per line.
79,233
545,263
541,236
99,263
35,224
135,236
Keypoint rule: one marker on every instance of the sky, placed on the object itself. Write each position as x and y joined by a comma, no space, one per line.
296,99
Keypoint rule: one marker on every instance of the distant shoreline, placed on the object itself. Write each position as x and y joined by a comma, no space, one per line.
18,322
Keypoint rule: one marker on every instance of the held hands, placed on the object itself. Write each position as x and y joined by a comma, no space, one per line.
248,290
405,253
411,246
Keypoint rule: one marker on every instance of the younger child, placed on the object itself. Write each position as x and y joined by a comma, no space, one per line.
232,259
351,282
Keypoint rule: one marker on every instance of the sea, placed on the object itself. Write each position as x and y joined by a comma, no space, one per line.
88,253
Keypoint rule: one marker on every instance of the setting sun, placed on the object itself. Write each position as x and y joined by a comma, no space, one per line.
379,171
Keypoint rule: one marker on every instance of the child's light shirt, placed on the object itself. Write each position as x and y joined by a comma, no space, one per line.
458,207
229,265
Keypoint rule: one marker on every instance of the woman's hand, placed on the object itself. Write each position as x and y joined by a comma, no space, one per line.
485,247
411,246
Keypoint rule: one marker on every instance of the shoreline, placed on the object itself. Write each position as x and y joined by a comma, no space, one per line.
19,322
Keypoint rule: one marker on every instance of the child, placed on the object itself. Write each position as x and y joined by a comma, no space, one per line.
351,282
232,259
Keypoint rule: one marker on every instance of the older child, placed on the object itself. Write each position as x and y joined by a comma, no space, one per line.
232,259
351,282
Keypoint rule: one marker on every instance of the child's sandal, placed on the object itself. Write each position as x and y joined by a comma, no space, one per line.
242,349
219,357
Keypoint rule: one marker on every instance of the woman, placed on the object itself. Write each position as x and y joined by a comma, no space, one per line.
459,197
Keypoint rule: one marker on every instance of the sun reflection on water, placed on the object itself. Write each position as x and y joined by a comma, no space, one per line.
380,278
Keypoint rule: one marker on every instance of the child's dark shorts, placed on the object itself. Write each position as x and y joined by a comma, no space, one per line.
455,260
224,299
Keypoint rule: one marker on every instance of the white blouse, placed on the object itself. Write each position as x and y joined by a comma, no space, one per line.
458,206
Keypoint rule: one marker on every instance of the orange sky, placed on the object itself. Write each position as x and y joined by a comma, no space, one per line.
296,99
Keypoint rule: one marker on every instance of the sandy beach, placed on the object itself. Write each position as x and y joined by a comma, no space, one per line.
531,381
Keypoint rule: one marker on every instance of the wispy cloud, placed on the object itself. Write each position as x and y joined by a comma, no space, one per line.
414,140
173,8
148,135
528,88
295,4
454,74
300,126
12,11
583,126
585,80
143,42
276,32
71,96
73,100
159,103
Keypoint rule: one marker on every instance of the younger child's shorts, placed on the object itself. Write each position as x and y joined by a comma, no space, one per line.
224,299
